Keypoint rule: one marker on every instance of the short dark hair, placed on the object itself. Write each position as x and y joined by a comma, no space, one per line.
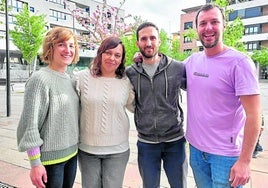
143,25
207,7
109,43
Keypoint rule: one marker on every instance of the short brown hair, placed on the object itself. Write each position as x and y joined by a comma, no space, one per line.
54,36
144,25
208,7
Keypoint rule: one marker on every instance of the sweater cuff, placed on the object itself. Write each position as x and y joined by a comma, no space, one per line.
34,156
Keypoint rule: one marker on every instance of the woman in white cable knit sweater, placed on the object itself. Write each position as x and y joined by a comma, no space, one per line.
48,127
105,93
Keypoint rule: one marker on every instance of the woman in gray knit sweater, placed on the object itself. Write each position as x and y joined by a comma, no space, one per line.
48,127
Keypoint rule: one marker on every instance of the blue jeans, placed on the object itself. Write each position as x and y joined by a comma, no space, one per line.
211,171
102,171
150,157
62,174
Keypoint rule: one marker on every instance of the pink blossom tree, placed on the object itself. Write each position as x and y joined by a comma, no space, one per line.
103,22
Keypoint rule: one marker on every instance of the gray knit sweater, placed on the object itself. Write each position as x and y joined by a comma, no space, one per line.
49,119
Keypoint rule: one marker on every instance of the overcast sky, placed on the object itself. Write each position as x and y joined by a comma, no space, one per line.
164,13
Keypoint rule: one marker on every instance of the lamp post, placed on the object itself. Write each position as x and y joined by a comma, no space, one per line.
7,62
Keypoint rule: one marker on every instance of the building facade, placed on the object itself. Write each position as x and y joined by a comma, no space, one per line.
187,21
253,13
58,13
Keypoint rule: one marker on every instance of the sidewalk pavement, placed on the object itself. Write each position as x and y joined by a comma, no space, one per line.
15,165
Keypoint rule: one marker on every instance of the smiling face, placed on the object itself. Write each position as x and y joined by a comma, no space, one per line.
110,61
63,54
210,27
148,42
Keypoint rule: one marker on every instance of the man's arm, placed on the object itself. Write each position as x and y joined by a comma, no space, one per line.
240,172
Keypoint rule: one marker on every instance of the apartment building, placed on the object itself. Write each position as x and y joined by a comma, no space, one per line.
187,21
58,13
254,15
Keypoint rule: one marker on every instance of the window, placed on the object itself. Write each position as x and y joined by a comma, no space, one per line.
252,46
16,5
252,29
188,25
57,15
232,2
187,50
241,13
233,15
253,12
186,39
60,2
31,9
11,19
245,13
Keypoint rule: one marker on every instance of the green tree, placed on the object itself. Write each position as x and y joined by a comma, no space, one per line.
165,45
261,56
28,34
171,47
191,34
2,9
233,35
2,5
131,47
175,51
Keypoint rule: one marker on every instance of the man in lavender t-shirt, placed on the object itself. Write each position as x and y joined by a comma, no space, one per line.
224,110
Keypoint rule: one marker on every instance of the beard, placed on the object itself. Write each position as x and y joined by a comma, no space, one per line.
210,45
148,56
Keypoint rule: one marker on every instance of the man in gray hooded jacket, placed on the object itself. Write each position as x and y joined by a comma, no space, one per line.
158,116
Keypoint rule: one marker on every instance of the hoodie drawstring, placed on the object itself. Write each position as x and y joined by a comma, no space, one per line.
139,86
166,84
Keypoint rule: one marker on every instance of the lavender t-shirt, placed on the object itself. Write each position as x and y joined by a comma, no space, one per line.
215,116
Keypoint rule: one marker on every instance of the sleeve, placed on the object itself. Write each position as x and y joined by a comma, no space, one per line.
77,83
183,78
34,156
131,102
184,81
246,80
36,103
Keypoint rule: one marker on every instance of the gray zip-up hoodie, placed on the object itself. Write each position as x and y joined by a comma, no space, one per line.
158,115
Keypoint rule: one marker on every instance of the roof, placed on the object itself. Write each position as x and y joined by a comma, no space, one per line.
191,9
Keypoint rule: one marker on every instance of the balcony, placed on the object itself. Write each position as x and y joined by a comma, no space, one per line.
255,20
255,37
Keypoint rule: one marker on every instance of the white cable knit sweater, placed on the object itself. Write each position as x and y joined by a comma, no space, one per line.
104,127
